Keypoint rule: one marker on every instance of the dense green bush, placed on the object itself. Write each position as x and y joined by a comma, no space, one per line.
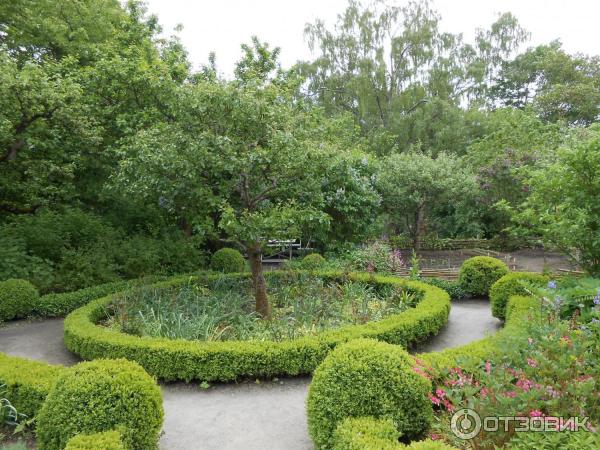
509,285
227,260
70,250
228,360
106,440
453,288
368,433
479,273
99,396
27,382
366,377
17,299
565,440
313,261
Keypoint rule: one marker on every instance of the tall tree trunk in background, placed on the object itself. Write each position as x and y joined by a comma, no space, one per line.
258,282
419,227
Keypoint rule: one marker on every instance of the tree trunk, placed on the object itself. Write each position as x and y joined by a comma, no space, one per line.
419,227
258,282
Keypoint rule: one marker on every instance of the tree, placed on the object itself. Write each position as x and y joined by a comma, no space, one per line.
563,206
413,183
561,87
384,63
238,155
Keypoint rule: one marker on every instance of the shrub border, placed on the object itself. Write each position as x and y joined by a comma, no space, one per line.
172,360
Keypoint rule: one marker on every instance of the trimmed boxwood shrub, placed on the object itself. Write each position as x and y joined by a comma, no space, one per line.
106,440
367,433
227,260
453,288
313,261
99,396
366,377
509,285
479,273
27,382
17,299
229,360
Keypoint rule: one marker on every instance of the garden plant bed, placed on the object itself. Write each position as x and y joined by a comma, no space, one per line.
178,359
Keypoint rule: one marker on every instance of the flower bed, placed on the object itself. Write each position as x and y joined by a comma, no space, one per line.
229,360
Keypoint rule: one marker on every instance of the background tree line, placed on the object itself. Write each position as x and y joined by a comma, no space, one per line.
118,160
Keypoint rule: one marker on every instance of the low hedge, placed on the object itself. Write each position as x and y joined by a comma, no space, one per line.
366,377
17,298
509,285
477,274
99,396
106,440
27,382
368,433
229,360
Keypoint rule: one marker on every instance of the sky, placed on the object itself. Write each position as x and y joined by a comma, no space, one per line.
222,25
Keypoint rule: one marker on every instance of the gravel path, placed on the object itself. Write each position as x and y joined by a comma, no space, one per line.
269,415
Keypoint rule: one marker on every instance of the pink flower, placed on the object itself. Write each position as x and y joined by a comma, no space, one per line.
510,394
435,437
484,392
434,399
449,406
440,393
532,362
535,413
488,367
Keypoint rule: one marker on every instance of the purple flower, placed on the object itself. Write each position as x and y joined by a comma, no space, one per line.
552,284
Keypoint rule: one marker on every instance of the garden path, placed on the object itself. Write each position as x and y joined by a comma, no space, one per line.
269,415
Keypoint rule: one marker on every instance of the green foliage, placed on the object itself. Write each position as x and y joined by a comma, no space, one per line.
27,382
222,309
514,283
312,262
367,378
566,440
227,260
453,288
551,370
376,256
74,249
363,433
105,440
17,299
478,274
563,206
229,360
414,184
122,394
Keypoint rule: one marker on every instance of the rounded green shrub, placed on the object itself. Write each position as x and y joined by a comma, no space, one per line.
98,396
106,440
509,285
366,377
227,260
17,298
312,262
479,273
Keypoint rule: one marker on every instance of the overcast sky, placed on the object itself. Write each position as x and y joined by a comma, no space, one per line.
222,25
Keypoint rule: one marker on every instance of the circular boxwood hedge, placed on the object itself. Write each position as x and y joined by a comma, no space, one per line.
17,299
366,377
179,359
509,285
99,396
313,261
479,273
227,260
